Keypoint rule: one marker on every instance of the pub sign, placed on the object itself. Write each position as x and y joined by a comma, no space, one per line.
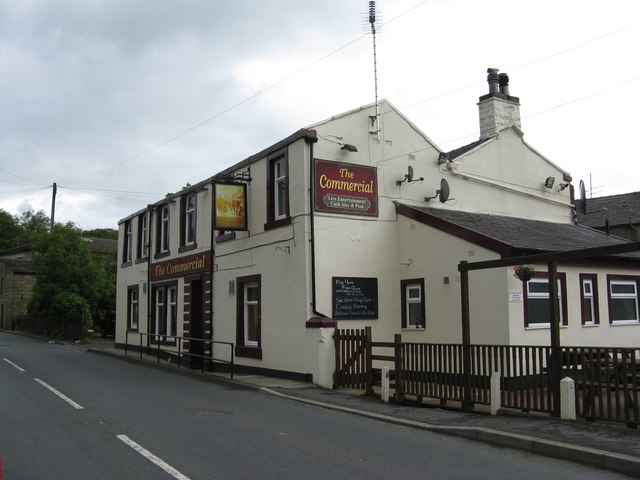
345,188
230,206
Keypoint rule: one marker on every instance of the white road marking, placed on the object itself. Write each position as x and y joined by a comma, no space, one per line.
13,364
60,394
152,458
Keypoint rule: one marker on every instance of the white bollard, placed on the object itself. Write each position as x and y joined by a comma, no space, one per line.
567,399
384,394
495,393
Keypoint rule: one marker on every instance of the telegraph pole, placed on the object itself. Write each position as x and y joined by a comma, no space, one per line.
53,203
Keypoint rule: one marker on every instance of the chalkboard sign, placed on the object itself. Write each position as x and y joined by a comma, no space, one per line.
355,298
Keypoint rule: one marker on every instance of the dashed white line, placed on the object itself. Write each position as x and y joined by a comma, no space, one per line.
13,364
152,458
59,394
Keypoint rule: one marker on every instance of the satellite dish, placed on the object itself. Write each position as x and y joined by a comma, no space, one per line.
443,193
581,203
408,177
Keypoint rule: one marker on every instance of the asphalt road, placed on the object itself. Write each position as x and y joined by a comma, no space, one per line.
69,414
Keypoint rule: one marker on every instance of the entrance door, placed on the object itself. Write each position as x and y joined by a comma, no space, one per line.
196,347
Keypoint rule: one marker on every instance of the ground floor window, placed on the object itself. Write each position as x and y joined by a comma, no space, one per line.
413,307
536,301
589,299
623,299
248,316
165,313
133,311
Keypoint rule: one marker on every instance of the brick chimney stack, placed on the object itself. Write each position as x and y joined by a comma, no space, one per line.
498,109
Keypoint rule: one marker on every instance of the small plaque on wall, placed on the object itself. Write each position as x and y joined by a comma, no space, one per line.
355,298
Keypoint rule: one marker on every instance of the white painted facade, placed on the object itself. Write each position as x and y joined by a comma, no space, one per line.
294,263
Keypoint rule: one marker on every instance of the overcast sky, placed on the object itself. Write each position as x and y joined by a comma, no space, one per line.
122,101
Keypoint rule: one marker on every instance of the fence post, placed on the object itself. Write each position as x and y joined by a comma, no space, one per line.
567,399
467,403
495,392
384,394
368,361
397,340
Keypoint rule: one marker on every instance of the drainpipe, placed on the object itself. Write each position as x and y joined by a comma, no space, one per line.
312,234
149,256
212,267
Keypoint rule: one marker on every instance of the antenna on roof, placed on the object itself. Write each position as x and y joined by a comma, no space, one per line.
373,21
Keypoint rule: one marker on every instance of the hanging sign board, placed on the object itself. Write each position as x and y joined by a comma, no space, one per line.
345,188
230,206
355,298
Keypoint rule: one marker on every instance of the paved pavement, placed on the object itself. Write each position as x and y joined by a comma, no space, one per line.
610,446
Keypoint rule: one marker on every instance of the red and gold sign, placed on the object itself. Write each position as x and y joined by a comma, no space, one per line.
230,206
346,188
180,267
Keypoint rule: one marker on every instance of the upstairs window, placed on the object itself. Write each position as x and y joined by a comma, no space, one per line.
188,221
143,236
163,230
623,299
277,191
536,301
413,306
127,243
589,299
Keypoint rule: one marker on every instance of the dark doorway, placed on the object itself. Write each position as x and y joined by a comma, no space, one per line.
196,347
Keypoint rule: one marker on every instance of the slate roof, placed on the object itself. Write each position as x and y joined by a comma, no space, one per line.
511,235
619,209
453,154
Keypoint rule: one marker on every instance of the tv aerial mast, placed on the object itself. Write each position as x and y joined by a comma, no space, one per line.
373,22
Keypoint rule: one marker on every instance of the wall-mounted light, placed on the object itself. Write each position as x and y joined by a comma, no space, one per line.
548,183
564,185
340,141
348,147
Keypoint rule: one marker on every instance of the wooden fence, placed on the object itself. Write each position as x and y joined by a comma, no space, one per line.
607,380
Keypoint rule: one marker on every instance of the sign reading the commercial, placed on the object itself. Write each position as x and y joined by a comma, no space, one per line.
179,267
230,206
346,188
355,298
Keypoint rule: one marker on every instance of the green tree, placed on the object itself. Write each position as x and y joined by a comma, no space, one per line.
108,233
11,230
66,292
33,224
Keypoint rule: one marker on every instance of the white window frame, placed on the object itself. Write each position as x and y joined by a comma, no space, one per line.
248,303
544,295
143,239
279,184
164,229
128,241
589,296
134,305
190,220
412,301
613,296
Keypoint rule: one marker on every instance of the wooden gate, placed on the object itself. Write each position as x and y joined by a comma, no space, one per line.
353,358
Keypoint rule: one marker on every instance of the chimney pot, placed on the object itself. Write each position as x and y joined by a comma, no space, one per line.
492,79
503,80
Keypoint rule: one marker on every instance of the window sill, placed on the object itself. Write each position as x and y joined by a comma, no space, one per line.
590,325
413,329
542,327
186,248
126,264
277,223
249,352
624,322
163,254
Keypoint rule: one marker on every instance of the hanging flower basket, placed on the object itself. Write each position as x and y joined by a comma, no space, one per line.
524,272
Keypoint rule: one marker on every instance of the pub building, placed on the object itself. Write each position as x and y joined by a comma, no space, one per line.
361,220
